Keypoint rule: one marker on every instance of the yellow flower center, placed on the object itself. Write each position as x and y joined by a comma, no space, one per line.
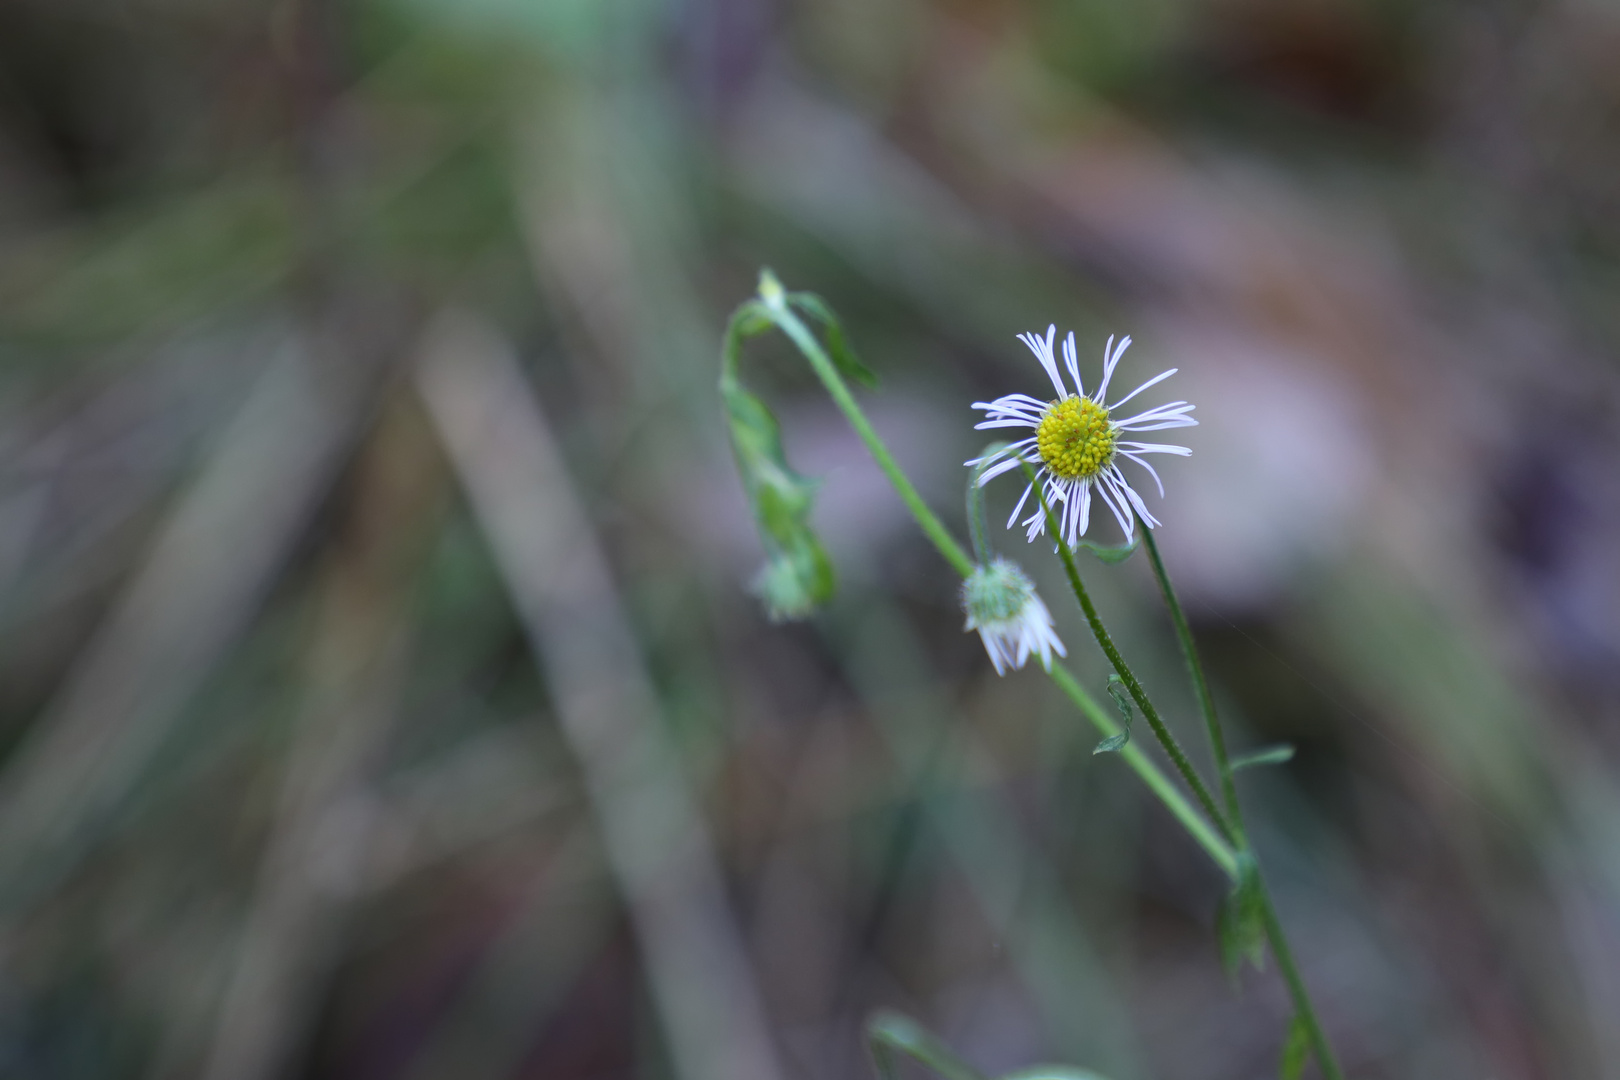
1076,438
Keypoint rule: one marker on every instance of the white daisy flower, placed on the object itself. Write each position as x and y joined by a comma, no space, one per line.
1079,442
1001,604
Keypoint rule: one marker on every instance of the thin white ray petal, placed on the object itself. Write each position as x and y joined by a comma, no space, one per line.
1151,382
1072,359
1158,412
1158,448
1019,508
1136,500
985,425
1043,352
997,469
1151,470
1110,362
1162,425
1115,502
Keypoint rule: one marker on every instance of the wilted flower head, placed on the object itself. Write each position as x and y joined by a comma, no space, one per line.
1078,442
1001,604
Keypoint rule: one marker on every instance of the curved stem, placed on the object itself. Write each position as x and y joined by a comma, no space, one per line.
1206,700
1178,756
836,387
977,532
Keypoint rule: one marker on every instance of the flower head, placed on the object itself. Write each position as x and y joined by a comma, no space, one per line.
1079,441
1001,604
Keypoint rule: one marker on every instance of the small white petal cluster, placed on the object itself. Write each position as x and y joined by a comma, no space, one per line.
1069,483
1001,604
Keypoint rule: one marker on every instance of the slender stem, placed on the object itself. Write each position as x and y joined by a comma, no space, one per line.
1206,700
1206,835
1171,747
1217,741
828,374
1296,989
975,516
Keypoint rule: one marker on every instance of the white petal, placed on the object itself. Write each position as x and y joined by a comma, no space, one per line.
1115,502
1043,353
1157,448
1151,470
997,469
1178,422
1158,412
1111,357
1073,361
986,425
1159,378
1021,500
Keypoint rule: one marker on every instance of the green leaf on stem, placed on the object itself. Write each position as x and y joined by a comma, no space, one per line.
1266,755
1122,702
797,576
1114,553
1242,921
843,357
1296,1050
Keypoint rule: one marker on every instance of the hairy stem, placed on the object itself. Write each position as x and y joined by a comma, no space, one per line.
1206,701
1202,832
1178,756
1217,742
1325,1058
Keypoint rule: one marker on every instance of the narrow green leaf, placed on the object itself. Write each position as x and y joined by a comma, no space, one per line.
1241,922
843,357
1112,744
1296,1050
888,1032
1114,553
1122,702
797,576
1266,755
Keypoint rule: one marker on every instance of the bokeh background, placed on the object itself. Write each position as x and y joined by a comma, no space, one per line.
380,692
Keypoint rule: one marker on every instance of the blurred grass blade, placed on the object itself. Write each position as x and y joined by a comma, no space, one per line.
313,864
1268,755
656,842
212,560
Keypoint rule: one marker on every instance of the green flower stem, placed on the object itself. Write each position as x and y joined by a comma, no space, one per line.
1206,701
1217,741
1320,1046
1208,837
1178,756
794,328
1161,785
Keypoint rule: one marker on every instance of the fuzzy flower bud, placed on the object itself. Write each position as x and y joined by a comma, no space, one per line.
1001,605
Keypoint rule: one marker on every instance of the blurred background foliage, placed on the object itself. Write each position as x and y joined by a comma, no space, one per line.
379,691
